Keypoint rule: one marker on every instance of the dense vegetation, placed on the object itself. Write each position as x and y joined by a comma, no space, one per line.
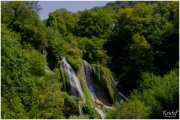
137,41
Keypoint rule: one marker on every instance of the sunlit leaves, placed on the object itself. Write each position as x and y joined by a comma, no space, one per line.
92,23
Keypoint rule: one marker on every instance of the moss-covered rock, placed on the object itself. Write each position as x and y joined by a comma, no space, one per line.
75,62
89,110
70,105
87,94
102,76
99,103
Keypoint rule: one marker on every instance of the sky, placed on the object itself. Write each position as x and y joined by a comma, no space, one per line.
73,6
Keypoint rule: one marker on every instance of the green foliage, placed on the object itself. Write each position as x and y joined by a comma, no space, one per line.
141,53
89,110
61,46
36,61
136,19
15,13
143,36
12,58
102,75
92,23
165,89
70,106
56,22
56,42
47,99
120,4
13,109
29,92
62,20
134,109
74,59
22,17
93,50
131,38
154,94
79,117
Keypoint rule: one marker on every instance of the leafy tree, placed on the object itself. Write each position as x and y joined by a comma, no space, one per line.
156,28
166,48
15,82
23,17
154,94
134,109
141,53
29,92
62,20
93,50
47,99
140,60
166,87
120,4
16,13
160,93
92,23
70,106
89,110
56,22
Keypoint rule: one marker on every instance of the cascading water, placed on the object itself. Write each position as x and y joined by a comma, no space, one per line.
93,88
74,82
87,76
87,70
80,109
96,90
45,58
119,93
101,113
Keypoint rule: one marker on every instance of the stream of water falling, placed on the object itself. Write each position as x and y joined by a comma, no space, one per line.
47,69
87,71
87,76
74,82
101,113
119,93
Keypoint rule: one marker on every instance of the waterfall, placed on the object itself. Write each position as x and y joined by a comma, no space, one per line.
87,76
114,85
101,113
87,70
74,82
45,54
96,90
80,109
45,58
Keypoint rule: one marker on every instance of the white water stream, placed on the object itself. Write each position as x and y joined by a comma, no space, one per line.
119,93
87,71
47,69
74,82
88,77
